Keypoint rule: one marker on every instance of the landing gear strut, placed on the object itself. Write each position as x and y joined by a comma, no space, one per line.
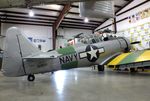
101,68
31,77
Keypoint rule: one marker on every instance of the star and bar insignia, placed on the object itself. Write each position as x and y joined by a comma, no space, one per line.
92,53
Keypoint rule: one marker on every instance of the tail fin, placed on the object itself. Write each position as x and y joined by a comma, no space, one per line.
16,46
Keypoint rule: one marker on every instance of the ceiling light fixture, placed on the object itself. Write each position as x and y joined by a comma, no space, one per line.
86,20
31,13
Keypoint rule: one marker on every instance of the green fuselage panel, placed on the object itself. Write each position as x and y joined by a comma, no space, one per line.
69,57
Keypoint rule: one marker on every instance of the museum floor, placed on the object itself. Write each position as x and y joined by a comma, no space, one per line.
77,85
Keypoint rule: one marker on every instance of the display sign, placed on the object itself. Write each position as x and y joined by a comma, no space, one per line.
36,40
138,33
139,16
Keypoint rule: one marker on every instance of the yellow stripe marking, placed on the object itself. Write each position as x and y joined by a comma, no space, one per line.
118,59
146,70
144,57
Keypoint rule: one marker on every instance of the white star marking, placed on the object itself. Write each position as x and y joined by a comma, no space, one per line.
92,53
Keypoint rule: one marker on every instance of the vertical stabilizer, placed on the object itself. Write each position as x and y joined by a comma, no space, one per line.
16,46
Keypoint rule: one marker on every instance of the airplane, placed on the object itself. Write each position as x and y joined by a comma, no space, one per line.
21,57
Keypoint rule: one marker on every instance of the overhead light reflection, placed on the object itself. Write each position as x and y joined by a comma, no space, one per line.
59,78
76,77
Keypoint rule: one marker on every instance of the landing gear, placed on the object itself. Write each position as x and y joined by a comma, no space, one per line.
133,70
52,72
101,68
31,77
140,69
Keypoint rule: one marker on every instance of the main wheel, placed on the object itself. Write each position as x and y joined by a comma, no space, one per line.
132,70
101,68
31,77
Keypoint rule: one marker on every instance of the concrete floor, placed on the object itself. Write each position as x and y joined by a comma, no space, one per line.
77,85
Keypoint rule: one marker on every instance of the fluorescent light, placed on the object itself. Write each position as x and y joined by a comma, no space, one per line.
31,13
86,20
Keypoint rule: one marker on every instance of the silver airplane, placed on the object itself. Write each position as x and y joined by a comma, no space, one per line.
21,57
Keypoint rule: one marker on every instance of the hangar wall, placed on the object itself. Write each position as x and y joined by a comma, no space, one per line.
125,24
42,35
128,29
38,35
68,33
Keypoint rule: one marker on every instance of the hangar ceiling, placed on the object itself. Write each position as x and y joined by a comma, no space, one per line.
47,15
24,3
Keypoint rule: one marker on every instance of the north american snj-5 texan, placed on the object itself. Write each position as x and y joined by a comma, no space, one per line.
21,58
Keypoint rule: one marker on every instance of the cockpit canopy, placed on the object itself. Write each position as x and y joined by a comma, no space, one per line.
95,38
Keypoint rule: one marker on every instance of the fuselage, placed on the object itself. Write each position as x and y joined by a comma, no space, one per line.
82,55
21,57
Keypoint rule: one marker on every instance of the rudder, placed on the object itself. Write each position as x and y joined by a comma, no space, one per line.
16,46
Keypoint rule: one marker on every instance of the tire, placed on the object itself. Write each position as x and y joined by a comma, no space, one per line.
52,72
100,68
31,77
132,70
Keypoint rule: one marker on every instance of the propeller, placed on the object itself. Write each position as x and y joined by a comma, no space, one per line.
136,42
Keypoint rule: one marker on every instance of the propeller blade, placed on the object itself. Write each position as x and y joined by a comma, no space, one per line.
136,42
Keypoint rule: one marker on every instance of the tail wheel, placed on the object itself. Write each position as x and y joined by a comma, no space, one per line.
31,77
101,68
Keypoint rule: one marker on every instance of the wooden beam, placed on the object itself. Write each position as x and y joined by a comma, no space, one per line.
61,16
115,25
56,24
72,6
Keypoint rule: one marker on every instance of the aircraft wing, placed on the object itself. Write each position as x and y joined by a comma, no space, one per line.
131,59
